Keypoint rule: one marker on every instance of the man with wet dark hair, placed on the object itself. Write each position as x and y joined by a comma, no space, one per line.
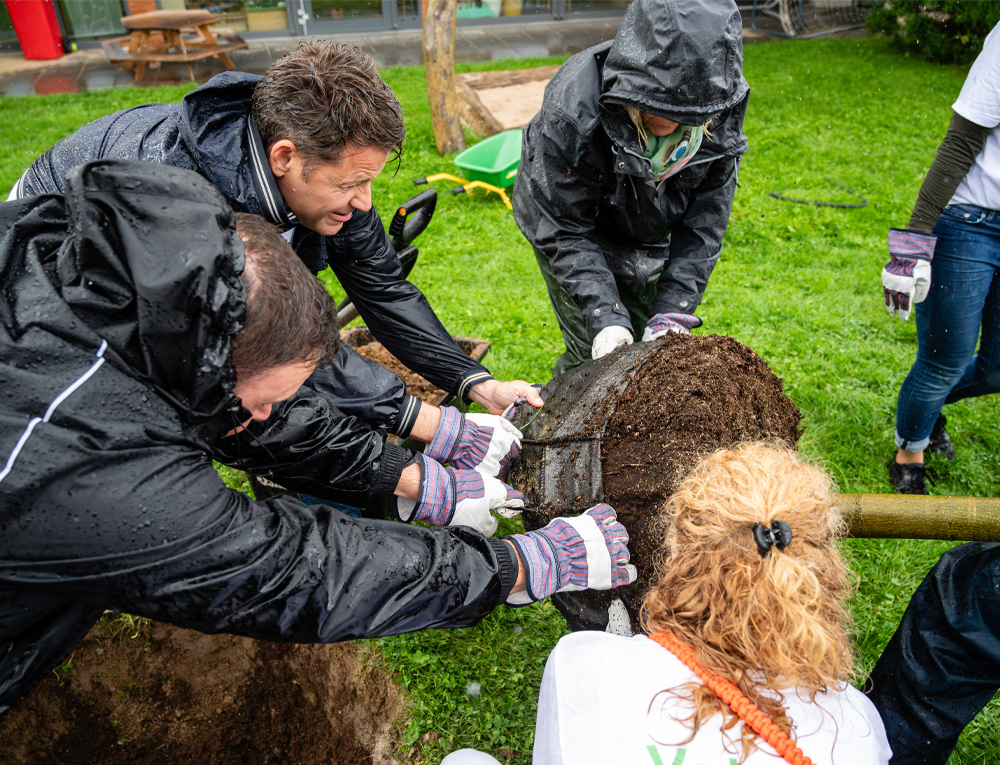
289,314
132,355
301,146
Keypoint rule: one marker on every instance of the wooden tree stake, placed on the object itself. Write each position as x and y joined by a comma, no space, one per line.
439,65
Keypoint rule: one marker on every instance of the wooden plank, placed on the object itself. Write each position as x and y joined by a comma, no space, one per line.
167,19
482,80
193,55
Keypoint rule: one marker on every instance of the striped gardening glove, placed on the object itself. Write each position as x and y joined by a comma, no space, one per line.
484,442
457,497
906,278
661,323
587,552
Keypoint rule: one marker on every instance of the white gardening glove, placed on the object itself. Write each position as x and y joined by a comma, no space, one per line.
484,442
588,552
906,278
455,497
610,339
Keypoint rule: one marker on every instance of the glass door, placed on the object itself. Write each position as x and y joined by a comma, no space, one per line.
597,6
331,16
92,18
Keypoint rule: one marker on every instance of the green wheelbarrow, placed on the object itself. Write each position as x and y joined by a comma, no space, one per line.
491,165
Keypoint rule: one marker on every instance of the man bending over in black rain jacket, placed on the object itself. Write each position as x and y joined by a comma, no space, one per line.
301,146
134,349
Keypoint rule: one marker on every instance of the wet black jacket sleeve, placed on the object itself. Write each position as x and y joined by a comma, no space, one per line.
566,184
943,664
696,241
307,446
396,312
365,389
161,537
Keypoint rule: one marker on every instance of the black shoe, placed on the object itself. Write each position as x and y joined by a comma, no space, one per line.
911,478
940,443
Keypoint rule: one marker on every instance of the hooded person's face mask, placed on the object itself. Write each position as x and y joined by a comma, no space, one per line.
669,154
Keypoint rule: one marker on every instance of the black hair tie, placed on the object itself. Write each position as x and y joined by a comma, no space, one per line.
778,535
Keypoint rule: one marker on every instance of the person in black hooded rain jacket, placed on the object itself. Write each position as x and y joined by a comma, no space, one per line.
300,146
628,171
131,351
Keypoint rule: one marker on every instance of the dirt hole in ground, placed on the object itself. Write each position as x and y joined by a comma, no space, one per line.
689,396
162,695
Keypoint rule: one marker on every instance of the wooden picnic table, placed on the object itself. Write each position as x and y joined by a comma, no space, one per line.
171,36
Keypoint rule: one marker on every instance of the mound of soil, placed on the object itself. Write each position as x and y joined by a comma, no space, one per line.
361,340
696,394
162,695
690,396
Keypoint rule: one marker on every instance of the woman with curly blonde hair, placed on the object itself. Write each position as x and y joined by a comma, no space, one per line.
748,654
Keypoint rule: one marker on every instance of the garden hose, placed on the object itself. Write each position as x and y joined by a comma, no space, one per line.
862,203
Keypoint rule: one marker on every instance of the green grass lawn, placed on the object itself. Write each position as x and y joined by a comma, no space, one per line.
799,284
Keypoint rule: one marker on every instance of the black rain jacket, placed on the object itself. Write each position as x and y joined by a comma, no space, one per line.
211,132
117,304
585,195
942,665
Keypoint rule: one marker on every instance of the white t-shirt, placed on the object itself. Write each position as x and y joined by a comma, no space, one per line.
601,702
979,102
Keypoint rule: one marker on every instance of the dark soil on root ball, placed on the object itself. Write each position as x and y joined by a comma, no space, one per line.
692,396
161,695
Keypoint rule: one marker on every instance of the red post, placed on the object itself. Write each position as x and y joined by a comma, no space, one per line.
37,28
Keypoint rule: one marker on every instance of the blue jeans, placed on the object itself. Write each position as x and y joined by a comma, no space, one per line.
964,301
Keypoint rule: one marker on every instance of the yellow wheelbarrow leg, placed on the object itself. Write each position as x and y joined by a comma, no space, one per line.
466,186
490,188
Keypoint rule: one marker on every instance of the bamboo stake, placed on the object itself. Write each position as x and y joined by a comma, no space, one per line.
908,516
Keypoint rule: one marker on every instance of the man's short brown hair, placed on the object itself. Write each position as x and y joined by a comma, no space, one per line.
322,96
290,315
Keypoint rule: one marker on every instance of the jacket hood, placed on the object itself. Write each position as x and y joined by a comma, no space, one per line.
146,258
677,59
207,118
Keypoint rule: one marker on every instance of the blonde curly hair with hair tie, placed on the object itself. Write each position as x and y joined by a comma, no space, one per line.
765,622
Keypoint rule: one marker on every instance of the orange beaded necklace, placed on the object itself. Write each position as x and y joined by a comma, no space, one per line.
762,725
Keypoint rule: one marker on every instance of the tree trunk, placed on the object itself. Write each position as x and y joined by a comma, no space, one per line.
439,65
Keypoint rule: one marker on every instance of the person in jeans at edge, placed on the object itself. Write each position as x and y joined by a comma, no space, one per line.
301,146
132,354
749,607
628,171
945,262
